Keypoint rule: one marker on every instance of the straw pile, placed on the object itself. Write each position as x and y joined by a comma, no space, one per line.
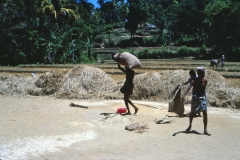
85,82
15,85
48,83
219,93
162,85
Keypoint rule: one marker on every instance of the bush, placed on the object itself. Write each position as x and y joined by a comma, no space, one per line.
139,41
164,53
150,42
98,39
155,55
154,32
84,59
134,42
143,33
185,51
20,57
234,56
96,45
111,44
202,52
187,41
123,43
144,54
160,54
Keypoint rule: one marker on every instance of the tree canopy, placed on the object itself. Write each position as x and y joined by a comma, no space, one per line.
62,31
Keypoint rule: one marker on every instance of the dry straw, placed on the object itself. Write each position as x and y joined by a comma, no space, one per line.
48,83
84,82
15,85
160,86
114,120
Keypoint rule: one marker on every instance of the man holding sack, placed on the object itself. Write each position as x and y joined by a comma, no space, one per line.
130,62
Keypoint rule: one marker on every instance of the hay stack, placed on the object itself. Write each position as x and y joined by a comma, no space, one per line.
89,82
218,91
162,85
48,83
85,82
15,85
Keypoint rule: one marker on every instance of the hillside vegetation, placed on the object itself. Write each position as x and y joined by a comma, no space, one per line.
68,32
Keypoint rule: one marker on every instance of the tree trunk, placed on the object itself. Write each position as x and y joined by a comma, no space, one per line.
89,52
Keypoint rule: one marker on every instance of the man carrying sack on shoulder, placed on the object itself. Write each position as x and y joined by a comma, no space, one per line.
130,62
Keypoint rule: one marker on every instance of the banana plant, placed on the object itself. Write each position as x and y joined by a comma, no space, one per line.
89,48
53,44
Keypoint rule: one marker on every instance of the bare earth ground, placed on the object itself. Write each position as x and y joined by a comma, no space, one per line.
45,128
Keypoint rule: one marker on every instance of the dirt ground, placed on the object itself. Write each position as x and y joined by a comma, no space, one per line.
45,128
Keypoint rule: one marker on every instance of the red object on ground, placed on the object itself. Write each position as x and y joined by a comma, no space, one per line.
121,110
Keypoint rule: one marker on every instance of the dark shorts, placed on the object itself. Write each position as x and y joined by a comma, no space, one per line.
198,104
127,89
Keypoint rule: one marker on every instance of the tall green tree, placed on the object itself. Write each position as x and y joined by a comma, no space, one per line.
123,11
138,13
12,33
223,26
163,15
109,12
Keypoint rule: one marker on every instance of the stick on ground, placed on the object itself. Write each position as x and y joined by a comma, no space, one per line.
77,105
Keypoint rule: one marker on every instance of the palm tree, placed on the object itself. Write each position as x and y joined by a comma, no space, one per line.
68,15
46,9
88,6
123,11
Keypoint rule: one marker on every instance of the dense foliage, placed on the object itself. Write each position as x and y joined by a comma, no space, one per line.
65,31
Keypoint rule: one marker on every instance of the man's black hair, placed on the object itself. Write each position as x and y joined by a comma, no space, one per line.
192,72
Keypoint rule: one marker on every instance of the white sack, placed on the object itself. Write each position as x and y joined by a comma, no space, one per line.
128,60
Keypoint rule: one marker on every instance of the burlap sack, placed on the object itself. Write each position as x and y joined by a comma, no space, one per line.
176,105
128,60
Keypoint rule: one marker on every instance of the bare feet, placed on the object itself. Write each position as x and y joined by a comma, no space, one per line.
136,110
189,128
206,132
